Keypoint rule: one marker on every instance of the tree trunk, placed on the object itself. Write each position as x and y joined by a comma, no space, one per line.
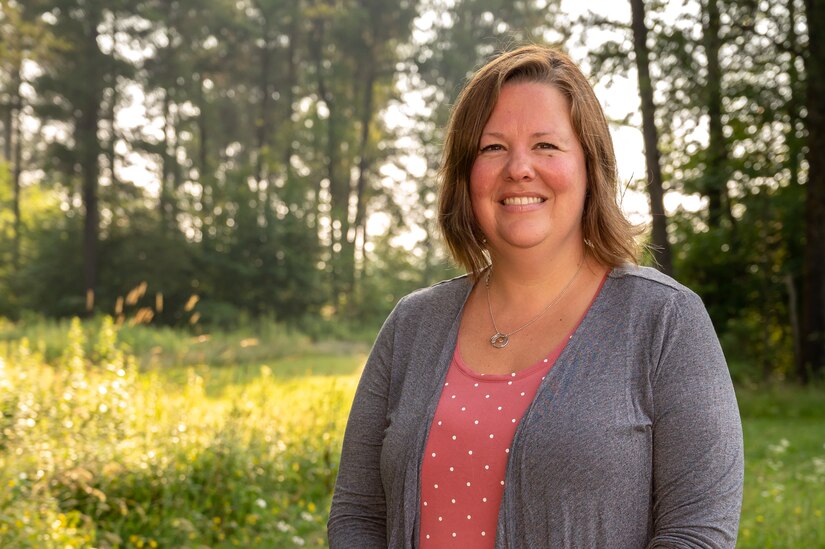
813,314
110,113
89,149
661,246
793,315
289,98
792,136
15,177
204,166
339,184
165,166
717,154
8,115
263,130
363,166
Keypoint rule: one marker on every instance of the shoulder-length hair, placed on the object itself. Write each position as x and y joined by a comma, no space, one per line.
607,233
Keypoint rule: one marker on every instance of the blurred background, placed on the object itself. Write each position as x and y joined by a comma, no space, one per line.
233,194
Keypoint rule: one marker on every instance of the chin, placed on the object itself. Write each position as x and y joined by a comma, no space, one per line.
525,242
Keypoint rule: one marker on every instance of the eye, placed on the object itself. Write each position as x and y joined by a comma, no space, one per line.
546,146
491,148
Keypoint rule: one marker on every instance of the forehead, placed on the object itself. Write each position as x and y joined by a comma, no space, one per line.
536,107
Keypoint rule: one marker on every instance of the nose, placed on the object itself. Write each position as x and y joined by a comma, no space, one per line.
519,166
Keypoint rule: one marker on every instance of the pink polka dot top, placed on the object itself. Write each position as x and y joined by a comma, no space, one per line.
465,459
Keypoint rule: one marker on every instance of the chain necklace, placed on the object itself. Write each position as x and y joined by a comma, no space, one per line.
500,340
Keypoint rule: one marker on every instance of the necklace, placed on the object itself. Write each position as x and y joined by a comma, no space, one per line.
500,340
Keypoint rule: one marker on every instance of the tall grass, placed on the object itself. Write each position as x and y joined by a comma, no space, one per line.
107,442
94,453
163,346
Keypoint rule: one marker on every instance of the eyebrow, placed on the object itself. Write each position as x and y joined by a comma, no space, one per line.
500,135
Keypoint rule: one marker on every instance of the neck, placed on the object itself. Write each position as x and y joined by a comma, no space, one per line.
531,279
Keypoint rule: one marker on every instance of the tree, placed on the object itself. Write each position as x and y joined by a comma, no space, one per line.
655,191
72,90
727,80
22,38
813,316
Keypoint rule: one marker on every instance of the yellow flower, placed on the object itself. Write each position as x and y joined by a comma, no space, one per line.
760,519
311,507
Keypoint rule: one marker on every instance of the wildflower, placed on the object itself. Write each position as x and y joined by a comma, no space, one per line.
260,503
298,540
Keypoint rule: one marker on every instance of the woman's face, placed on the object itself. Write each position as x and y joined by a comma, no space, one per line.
528,182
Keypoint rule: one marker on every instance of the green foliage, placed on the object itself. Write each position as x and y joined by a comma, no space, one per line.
92,453
268,147
736,140
784,467
56,264
762,252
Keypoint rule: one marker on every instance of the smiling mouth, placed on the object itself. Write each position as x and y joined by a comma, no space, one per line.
522,200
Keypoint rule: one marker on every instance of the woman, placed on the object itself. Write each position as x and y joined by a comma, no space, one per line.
558,395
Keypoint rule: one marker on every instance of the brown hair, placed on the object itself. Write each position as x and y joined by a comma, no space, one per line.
607,233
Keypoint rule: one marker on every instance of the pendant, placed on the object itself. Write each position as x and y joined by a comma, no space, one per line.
499,340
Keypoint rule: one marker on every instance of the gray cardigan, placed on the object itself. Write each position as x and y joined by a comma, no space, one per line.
633,439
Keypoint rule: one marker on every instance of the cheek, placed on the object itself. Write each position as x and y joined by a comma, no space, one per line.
479,187
569,179
476,179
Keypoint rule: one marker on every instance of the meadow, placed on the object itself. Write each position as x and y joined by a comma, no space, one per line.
146,437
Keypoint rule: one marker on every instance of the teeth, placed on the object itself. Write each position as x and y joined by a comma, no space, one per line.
522,200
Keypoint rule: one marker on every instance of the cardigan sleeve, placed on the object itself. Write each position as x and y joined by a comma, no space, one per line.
358,514
698,464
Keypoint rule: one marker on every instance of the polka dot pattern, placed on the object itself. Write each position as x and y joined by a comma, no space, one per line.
467,452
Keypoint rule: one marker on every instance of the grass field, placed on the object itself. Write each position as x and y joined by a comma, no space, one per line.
103,447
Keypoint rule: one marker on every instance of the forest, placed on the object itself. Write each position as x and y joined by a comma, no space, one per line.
235,152
208,208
